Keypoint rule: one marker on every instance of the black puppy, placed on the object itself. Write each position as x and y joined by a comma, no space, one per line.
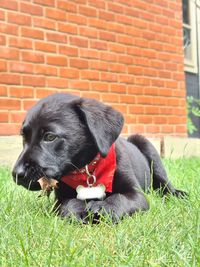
75,141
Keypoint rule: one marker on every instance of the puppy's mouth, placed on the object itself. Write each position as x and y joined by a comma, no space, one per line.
35,178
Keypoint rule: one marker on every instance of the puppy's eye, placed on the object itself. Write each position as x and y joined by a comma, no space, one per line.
49,137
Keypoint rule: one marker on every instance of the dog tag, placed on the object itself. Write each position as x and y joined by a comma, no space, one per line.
93,192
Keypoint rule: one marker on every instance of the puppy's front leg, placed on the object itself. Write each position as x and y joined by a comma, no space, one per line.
118,205
73,208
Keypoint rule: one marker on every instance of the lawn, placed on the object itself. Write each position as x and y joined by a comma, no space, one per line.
167,235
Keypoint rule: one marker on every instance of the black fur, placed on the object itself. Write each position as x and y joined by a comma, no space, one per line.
83,127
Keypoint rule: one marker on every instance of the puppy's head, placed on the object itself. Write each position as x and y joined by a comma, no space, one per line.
62,133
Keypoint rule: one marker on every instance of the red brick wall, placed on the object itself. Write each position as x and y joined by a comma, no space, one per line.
127,53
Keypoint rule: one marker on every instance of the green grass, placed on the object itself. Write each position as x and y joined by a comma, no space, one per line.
167,235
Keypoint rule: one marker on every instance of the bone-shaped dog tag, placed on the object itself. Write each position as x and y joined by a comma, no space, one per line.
92,192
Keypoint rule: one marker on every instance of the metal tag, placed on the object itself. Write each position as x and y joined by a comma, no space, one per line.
92,192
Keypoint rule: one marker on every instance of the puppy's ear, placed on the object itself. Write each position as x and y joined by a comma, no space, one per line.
103,122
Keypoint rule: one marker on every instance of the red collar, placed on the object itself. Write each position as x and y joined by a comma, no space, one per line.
102,168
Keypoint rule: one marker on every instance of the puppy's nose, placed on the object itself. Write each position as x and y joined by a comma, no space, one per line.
19,171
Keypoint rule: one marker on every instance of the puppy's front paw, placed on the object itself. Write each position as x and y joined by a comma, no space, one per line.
101,209
73,208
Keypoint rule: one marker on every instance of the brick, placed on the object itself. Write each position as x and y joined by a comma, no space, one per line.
88,32
45,70
20,67
27,104
10,104
68,51
20,43
57,82
117,68
109,77
32,33
173,120
115,8
9,53
13,5
159,120
150,72
108,36
32,57
173,101
31,9
120,107
135,90
77,19
124,78
129,119
79,63
142,81
144,100
68,6
99,86
98,4
9,78
134,32
124,19
99,65
136,128
44,23
55,14
153,129
17,117
9,129
85,53
136,109
3,117
152,110
68,28
40,93
151,91
157,82
117,48
88,11
124,39
89,75
90,95
134,51
144,119
19,19
110,98
45,2
166,129
69,73
181,129
99,45
80,85
135,70
2,15
128,99
97,23
118,88
9,28
115,27
77,41
107,56
56,37
2,40
20,92
106,15
3,66
46,47
34,81
3,91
